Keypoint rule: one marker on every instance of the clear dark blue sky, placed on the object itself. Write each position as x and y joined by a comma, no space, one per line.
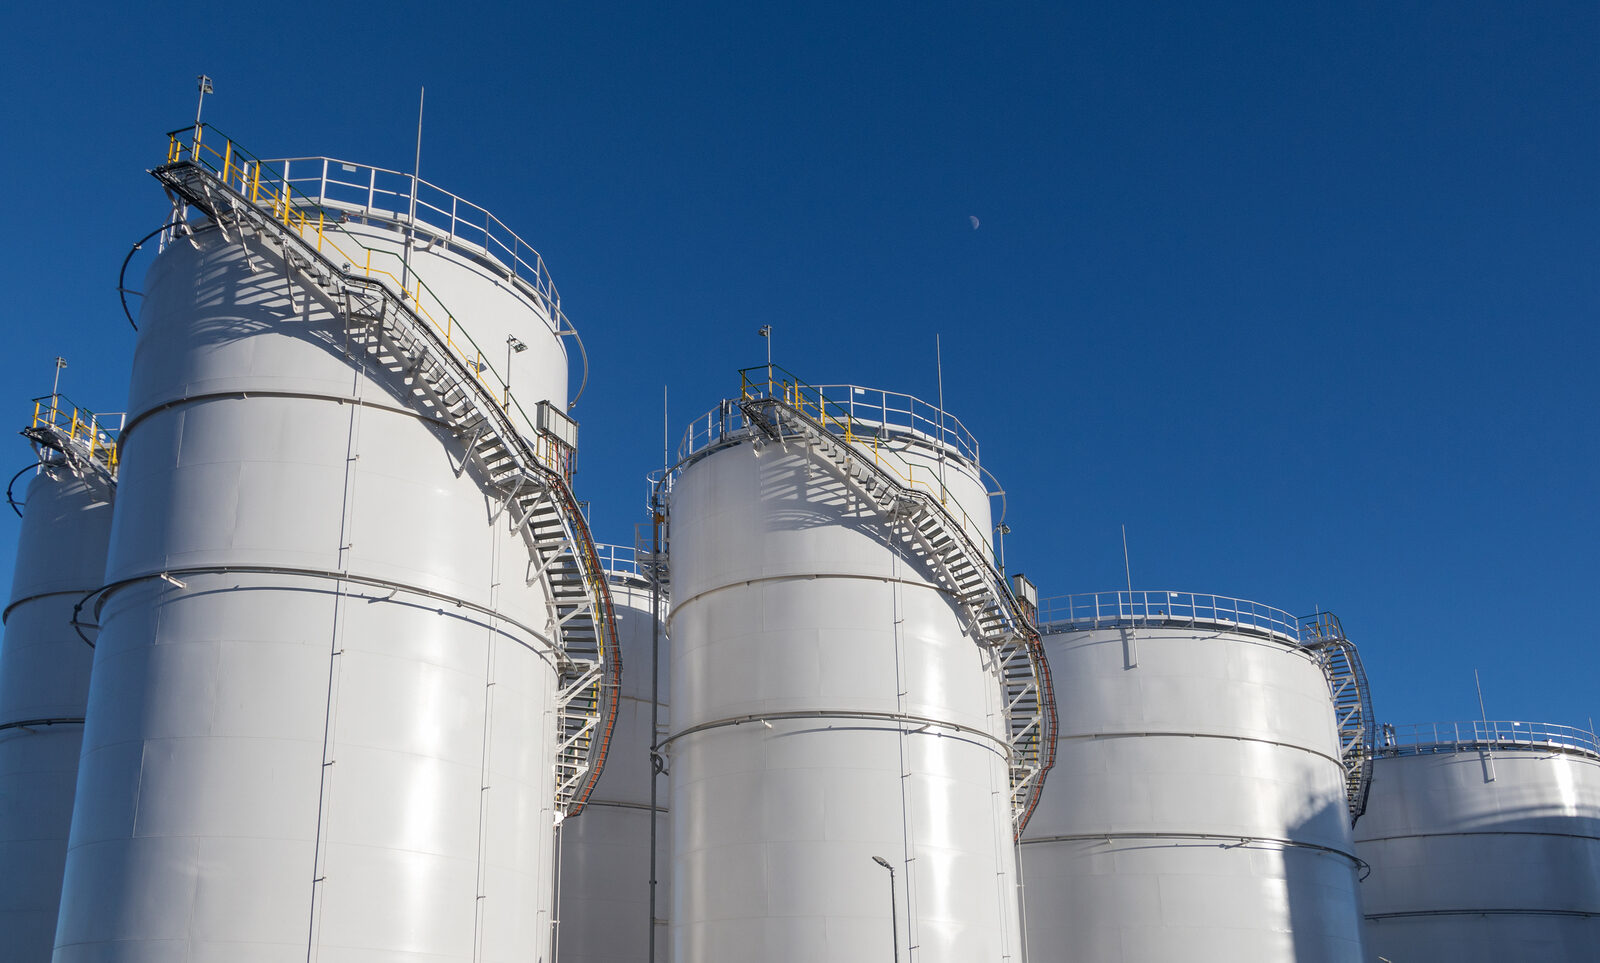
1303,294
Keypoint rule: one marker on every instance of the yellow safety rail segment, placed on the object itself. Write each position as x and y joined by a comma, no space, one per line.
837,419
242,172
81,427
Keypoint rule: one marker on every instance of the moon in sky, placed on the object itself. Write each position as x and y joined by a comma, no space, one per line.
974,219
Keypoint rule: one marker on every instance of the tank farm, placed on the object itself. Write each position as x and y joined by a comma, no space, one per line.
310,655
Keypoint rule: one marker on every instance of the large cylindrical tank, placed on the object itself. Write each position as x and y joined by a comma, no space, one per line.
605,899
1484,843
830,708
1198,806
44,686
321,724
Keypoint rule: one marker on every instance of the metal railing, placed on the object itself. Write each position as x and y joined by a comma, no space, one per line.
1122,608
89,433
853,412
1437,737
618,559
871,420
268,188
375,191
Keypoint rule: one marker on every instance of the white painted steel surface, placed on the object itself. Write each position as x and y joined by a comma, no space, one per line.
334,738
1483,849
605,911
44,678
827,707
1197,810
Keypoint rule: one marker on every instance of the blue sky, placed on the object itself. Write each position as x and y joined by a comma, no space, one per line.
1305,295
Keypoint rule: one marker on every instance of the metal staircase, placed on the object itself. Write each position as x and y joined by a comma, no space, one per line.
386,321
1352,704
783,413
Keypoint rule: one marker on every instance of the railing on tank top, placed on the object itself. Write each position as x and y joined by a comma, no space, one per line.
270,189
1444,737
376,191
868,419
618,559
1123,609
90,434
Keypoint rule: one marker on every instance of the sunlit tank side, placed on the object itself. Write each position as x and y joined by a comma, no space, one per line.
1484,843
830,708
1199,807
44,687
324,686
605,909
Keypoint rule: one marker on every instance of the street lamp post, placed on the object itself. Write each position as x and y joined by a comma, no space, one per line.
894,907
204,84
55,389
513,343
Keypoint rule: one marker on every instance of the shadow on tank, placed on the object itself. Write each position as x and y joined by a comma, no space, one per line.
1320,886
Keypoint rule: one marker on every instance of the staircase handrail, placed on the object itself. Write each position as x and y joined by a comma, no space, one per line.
1322,633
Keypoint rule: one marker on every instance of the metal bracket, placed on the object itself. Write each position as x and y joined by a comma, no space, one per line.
466,455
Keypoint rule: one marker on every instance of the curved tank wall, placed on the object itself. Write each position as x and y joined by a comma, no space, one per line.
605,913
1197,810
44,680
328,729
828,708
1484,843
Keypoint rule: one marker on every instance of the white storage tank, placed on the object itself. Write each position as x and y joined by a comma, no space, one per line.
605,900
839,744
1201,805
323,721
44,665
1484,843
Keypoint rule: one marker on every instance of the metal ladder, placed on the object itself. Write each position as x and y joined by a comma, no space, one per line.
997,619
383,324
1352,704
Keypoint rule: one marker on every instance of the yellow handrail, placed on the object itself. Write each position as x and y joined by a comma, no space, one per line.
78,425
